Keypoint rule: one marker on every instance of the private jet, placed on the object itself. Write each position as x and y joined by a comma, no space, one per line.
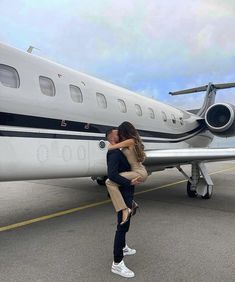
53,121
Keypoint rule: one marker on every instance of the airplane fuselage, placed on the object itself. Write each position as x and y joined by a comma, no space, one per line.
53,120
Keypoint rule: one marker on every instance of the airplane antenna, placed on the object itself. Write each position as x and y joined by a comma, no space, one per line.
30,49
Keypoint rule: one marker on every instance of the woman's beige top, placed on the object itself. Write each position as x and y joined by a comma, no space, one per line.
135,165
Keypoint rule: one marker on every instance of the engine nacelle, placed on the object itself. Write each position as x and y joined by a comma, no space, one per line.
220,119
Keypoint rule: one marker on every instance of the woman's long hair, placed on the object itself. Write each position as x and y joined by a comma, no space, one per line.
126,130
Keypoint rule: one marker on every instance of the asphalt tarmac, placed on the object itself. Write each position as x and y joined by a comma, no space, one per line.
62,230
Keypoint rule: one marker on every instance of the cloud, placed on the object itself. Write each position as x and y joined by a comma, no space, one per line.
151,47
145,46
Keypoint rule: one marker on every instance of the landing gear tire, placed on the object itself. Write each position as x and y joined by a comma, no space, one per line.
208,193
101,180
191,193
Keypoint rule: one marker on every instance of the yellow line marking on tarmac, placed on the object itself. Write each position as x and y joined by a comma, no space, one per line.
181,181
27,222
57,214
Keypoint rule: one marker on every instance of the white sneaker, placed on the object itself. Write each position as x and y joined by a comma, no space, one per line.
122,270
128,251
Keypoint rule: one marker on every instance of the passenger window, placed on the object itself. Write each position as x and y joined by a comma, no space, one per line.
181,121
9,76
122,106
76,93
164,117
173,119
47,86
101,100
151,113
138,110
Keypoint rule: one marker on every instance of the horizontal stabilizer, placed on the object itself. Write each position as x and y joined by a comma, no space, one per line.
203,88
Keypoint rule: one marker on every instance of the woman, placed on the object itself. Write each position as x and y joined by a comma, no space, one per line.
133,148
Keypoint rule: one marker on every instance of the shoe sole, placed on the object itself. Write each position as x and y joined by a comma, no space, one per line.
128,254
117,272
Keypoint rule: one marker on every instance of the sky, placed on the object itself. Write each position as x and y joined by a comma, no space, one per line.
148,46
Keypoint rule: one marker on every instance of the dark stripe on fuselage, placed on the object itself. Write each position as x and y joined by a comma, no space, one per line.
8,133
26,121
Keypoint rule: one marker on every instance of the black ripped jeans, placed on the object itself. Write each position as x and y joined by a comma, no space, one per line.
120,235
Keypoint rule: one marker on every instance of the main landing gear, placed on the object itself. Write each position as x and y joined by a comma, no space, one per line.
100,180
199,183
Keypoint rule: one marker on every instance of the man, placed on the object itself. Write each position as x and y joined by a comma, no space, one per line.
117,163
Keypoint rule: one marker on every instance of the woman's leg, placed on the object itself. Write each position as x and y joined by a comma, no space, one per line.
114,192
133,175
115,195
140,173
130,175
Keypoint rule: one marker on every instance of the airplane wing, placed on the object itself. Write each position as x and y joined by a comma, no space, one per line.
200,182
176,157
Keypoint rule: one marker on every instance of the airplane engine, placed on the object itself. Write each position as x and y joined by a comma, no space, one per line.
220,119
